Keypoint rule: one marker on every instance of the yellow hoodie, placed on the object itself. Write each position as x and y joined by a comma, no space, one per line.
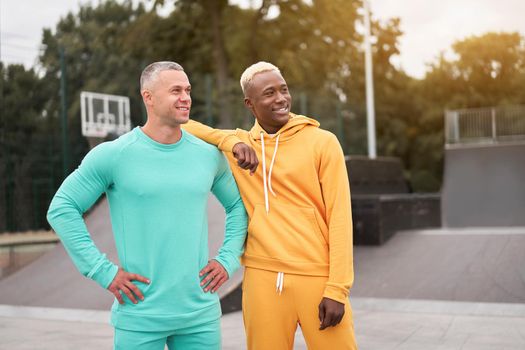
298,200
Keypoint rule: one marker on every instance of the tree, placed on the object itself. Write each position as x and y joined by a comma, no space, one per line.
487,70
23,147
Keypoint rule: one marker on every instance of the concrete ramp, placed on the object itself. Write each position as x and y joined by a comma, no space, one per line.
484,185
468,265
53,281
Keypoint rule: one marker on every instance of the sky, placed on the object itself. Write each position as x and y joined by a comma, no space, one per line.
430,26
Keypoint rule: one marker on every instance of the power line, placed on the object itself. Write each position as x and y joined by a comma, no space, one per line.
20,47
9,56
16,35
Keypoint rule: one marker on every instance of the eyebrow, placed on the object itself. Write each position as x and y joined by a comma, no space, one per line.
273,87
180,87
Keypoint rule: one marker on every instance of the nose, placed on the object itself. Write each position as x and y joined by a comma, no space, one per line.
280,97
185,96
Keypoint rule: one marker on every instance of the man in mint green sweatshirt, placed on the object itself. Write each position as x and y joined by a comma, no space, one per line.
157,179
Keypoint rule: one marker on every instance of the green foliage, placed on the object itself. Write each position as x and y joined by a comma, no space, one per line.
316,45
487,70
26,152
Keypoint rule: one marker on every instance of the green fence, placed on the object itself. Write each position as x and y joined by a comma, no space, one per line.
31,166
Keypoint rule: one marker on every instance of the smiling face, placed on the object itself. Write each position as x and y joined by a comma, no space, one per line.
169,97
268,98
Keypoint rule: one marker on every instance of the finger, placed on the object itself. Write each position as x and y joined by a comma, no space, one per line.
249,160
206,280
321,315
219,284
208,277
135,290
206,269
255,163
255,159
117,295
137,277
338,320
128,293
328,320
333,320
241,156
245,163
213,282
341,317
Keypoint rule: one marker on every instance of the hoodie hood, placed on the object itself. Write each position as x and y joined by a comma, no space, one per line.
294,125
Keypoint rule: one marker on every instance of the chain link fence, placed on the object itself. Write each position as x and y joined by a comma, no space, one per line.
31,168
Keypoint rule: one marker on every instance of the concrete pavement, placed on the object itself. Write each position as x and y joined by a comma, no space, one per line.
423,290
381,324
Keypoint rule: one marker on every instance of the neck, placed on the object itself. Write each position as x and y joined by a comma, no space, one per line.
269,129
165,134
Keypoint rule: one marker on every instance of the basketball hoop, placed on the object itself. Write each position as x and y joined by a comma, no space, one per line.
104,116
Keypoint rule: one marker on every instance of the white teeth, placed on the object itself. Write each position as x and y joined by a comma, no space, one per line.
183,108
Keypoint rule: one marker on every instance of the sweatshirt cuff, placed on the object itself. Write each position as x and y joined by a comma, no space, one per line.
336,293
226,145
104,274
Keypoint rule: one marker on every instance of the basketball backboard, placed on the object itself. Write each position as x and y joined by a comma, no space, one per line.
104,114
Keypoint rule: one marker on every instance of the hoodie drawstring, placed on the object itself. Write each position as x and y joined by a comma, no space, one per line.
271,165
268,183
280,282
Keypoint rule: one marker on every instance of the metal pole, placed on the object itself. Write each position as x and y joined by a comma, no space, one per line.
370,111
63,115
456,126
493,118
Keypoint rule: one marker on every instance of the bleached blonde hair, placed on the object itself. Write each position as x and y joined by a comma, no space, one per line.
254,69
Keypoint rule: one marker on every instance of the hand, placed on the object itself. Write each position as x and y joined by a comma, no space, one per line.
331,312
122,283
246,157
215,276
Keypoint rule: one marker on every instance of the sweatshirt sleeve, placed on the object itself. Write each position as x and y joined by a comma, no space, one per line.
75,196
226,191
336,193
223,139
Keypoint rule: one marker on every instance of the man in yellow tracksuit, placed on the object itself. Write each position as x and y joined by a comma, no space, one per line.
298,258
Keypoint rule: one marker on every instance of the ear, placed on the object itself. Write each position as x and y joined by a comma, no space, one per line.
146,97
248,103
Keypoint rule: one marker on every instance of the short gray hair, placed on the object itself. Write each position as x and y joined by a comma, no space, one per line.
255,68
151,72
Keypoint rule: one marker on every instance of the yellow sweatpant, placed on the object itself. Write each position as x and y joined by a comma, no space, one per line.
271,317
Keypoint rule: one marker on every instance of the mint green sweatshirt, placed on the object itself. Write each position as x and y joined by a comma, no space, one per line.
158,198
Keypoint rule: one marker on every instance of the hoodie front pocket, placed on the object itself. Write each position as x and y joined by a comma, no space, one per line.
288,233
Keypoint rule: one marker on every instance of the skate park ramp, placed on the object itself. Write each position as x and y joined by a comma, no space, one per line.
473,264
454,264
53,281
485,265
483,185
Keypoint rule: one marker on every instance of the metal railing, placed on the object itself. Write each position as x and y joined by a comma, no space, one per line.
485,125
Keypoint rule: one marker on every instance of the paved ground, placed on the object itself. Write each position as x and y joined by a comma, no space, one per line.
476,264
422,290
381,324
